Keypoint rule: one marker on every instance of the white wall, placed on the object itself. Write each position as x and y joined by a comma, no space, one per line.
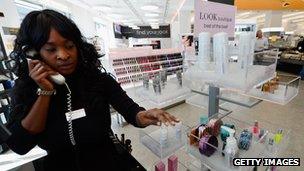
11,18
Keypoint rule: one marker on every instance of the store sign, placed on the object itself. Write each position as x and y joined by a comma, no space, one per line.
214,17
148,32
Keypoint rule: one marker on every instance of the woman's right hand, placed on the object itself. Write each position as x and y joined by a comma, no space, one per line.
40,72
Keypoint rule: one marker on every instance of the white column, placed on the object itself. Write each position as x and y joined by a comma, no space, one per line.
184,17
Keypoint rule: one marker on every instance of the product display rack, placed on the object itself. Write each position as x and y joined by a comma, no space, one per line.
130,65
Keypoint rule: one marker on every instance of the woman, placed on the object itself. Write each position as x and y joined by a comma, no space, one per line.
38,116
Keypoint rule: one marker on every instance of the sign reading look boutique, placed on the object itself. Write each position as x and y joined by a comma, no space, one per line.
214,17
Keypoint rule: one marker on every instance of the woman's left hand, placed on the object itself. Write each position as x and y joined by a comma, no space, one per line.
155,117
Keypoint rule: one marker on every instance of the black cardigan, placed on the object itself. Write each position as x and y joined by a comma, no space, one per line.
93,92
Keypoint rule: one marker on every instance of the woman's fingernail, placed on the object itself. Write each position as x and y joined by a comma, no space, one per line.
166,123
158,123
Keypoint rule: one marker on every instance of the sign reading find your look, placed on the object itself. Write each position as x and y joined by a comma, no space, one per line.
214,17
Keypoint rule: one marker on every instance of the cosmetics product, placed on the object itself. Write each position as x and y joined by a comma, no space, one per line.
146,81
266,87
179,78
203,120
128,145
245,140
262,135
163,78
160,166
231,149
163,136
204,47
178,130
208,145
215,125
273,86
122,140
256,130
172,163
270,146
220,52
278,136
194,137
156,85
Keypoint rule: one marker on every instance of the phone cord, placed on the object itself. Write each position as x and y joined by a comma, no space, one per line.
69,106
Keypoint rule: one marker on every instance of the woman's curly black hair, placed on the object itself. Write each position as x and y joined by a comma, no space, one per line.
34,33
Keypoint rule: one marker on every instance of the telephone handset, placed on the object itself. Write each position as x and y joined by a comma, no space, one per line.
33,54
58,79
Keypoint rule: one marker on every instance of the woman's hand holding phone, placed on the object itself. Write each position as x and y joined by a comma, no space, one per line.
39,72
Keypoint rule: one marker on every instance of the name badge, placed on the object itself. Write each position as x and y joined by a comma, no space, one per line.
76,114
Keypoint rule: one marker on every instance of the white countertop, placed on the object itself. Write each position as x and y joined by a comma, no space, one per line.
10,160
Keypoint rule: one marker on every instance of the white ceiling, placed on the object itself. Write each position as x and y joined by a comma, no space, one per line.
129,11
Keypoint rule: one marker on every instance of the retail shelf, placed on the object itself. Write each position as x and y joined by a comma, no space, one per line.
228,96
292,61
149,63
258,148
281,92
151,138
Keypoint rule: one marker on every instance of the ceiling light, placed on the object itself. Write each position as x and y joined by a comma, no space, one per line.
151,15
149,7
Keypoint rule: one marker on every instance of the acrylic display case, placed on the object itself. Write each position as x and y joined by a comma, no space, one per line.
281,89
161,143
162,92
231,64
263,143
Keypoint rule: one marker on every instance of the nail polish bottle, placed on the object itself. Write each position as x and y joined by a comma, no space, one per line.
270,146
255,129
160,166
278,136
172,163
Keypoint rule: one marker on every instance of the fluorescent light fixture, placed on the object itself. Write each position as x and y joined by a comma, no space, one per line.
151,15
273,29
29,5
149,7
289,32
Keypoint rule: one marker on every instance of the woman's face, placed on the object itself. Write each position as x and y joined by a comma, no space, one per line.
59,53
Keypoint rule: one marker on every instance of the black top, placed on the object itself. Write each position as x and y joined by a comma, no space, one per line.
92,92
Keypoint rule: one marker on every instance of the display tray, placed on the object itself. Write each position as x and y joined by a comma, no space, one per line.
258,147
171,92
151,138
286,89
